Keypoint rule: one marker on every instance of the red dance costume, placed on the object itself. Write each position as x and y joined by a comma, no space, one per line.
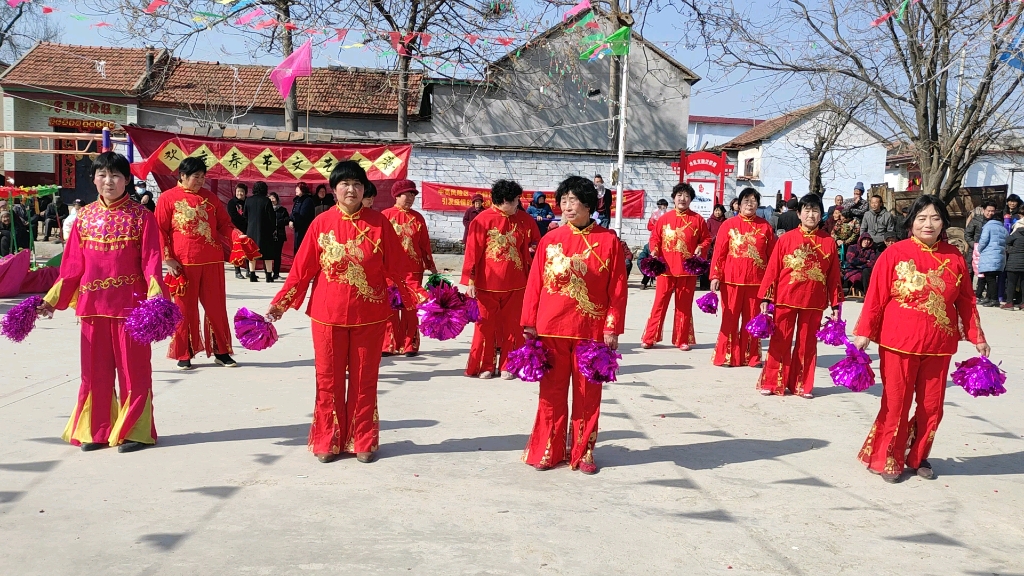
739,268
676,237
576,291
497,263
349,260
111,263
918,306
402,334
802,280
195,228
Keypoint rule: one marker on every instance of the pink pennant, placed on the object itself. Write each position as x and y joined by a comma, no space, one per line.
155,5
424,39
290,26
472,38
246,18
878,21
340,34
300,63
1006,22
584,5
47,10
265,24
14,3
99,25
505,40
396,39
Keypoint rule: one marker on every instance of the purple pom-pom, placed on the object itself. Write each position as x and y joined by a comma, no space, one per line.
708,303
833,332
442,316
854,371
471,309
530,362
253,331
21,319
980,377
696,265
770,310
761,326
598,363
652,266
153,320
394,298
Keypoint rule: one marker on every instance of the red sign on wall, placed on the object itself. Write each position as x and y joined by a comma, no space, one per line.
451,198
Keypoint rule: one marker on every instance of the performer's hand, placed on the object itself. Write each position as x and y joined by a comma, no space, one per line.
984,349
471,291
715,285
274,313
291,225
861,342
530,332
174,266
611,341
698,251
44,310
764,307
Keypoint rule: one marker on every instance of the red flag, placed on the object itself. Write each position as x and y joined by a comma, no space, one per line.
290,26
47,10
424,39
300,63
396,39
883,18
265,24
154,5
341,33
505,40
472,38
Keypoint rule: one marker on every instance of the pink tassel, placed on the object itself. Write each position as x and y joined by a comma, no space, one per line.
21,319
253,331
833,332
980,377
708,303
652,266
761,326
153,320
597,362
442,316
530,362
854,371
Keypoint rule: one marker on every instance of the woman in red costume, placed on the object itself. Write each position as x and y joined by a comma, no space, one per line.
349,254
676,236
744,244
111,263
576,292
802,280
495,269
919,305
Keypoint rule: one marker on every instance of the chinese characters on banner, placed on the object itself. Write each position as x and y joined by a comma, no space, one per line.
75,107
451,198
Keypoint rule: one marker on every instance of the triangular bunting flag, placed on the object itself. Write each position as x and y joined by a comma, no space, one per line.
582,22
617,44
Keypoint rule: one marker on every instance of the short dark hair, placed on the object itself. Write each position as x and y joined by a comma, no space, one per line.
324,186
717,206
504,191
274,196
1014,198
241,186
735,201
989,204
596,176
190,166
748,191
662,202
793,203
922,202
683,187
347,170
304,187
112,161
811,201
583,189
260,188
369,189
873,196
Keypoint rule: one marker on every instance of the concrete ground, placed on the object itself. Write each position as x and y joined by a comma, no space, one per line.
699,474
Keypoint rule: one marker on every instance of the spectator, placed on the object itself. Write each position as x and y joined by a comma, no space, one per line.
147,201
70,221
860,259
54,216
20,218
734,207
646,280
1013,211
471,213
302,213
790,219
877,222
902,230
856,205
139,191
6,237
604,202
715,222
236,210
261,223
770,215
323,200
1014,267
281,220
846,229
829,224
837,207
629,258
541,212
985,213
972,232
369,194
890,239
992,255
661,211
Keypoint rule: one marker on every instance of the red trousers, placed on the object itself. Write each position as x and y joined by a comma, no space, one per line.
109,352
347,366
682,326
498,328
736,347
402,333
895,440
791,370
547,444
206,286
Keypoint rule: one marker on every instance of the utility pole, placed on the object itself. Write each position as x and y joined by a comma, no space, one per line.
624,19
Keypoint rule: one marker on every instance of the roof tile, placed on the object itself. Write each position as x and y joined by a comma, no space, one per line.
83,68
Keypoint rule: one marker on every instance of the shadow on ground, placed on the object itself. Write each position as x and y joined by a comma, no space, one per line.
708,455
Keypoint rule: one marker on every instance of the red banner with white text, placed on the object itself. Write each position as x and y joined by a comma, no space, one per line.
451,198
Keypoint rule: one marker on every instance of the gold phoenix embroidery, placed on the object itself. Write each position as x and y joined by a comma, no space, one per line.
106,283
340,264
916,290
502,247
406,232
803,265
192,221
744,245
564,275
674,240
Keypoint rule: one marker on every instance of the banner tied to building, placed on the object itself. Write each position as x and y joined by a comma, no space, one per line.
453,198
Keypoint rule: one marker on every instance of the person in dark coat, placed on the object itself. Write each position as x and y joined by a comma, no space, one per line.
280,231
147,201
6,237
236,208
790,219
471,213
860,259
323,200
54,216
1014,267
303,212
21,218
261,224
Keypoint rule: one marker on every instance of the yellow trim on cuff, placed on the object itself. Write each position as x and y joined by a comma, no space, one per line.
154,288
53,296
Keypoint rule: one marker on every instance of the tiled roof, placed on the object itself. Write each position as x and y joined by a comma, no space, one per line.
81,68
328,90
769,128
695,119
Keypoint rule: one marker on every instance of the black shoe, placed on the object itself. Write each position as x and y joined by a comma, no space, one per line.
131,447
184,364
892,478
252,277
386,354
90,446
270,277
238,274
411,354
366,457
225,360
991,303
277,276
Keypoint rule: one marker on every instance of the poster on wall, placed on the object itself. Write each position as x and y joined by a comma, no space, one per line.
704,197
452,198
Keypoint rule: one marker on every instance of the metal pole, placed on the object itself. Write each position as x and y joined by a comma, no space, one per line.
623,92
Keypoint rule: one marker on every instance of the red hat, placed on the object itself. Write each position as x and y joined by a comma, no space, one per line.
402,186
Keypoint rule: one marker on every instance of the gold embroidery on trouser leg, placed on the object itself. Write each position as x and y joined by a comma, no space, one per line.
869,444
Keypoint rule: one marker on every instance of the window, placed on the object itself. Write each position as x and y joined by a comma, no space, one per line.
748,167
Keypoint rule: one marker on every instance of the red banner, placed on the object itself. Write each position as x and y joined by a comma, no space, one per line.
252,160
451,198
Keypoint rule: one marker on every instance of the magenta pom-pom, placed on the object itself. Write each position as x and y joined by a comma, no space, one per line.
21,319
833,332
770,310
980,377
253,331
651,266
708,303
153,320
696,265
530,362
443,315
597,362
854,371
761,326
394,298
471,309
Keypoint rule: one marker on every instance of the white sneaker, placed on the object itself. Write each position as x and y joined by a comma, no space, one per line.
506,375
486,375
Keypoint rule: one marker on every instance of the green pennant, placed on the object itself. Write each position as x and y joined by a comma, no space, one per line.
617,44
592,38
582,22
209,14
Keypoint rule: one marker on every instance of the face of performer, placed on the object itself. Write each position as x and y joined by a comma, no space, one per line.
349,194
404,201
927,226
810,217
193,182
574,211
508,208
110,184
748,206
682,201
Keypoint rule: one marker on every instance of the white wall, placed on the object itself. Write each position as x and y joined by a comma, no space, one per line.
995,169
706,135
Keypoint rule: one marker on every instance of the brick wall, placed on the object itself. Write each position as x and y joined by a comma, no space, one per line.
534,171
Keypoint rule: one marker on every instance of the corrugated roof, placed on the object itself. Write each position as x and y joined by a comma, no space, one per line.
83,68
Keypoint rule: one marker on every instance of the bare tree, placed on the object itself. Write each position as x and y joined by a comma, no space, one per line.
828,127
932,68
21,27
